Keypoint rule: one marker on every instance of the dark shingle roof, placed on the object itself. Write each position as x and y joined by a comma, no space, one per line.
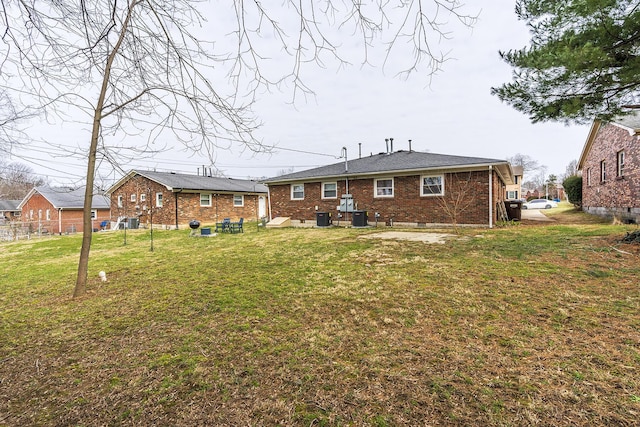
399,161
179,181
9,205
65,198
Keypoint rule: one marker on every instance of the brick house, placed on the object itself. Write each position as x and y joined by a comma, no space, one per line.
402,188
179,198
9,210
610,165
60,210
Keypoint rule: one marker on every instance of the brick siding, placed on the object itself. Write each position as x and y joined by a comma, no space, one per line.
34,216
616,196
406,205
188,205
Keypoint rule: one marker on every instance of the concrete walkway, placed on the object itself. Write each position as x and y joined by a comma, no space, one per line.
534,215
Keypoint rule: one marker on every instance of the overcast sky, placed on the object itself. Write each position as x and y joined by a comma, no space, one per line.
453,114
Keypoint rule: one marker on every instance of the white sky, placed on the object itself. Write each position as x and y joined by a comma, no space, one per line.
454,114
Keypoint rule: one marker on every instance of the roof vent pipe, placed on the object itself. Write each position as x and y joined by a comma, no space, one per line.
344,154
409,145
391,140
386,140
359,150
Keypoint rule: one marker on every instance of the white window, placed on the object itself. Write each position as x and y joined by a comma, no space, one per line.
120,201
39,213
143,197
603,171
297,191
205,199
620,165
512,195
158,200
48,214
238,200
329,190
589,176
94,214
383,187
30,213
432,186
133,197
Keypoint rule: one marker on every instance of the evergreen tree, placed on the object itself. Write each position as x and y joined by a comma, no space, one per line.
583,61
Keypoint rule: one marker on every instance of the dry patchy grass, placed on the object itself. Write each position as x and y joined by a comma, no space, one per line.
528,325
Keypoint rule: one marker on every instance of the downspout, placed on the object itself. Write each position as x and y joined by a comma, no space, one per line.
269,196
176,200
60,221
490,196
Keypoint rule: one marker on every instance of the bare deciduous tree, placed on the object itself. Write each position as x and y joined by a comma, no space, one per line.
16,179
140,67
459,195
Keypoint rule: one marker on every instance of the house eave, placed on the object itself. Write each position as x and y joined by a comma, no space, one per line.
507,172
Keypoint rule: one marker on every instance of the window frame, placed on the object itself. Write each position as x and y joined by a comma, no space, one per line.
143,197
236,205
159,200
208,196
133,198
603,171
293,192
94,214
324,190
383,196
120,201
422,192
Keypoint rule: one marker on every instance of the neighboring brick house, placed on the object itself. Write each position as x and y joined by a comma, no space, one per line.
59,210
177,199
402,188
610,165
514,191
9,210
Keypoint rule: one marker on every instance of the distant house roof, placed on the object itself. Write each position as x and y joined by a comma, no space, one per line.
398,161
65,198
180,182
630,122
9,205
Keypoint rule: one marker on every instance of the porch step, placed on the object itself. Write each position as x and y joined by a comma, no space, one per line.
279,222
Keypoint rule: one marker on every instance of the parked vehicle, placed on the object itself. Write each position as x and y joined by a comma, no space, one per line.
539,204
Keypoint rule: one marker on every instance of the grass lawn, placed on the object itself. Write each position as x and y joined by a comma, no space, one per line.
532,324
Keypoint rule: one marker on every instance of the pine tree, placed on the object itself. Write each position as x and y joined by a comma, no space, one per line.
583,61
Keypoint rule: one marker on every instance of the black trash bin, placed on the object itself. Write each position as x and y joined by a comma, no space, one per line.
323,219
514,209
359,219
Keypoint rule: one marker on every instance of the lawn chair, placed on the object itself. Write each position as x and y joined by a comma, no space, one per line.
236,227
224,226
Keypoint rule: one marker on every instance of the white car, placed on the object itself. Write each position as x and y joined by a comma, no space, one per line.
539,204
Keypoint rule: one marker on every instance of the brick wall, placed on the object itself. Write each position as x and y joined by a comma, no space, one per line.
406,206
34,216
188,205
615,196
